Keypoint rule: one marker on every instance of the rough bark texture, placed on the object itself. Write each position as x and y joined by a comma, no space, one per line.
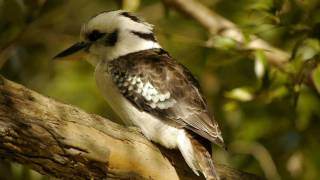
63,141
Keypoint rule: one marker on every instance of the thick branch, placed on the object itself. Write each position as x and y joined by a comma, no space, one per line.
63,141
217,24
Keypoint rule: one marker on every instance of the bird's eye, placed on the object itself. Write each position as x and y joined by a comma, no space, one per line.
95,35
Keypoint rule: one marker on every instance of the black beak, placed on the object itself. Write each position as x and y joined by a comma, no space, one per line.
73,49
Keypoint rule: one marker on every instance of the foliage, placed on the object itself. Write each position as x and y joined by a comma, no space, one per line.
269,114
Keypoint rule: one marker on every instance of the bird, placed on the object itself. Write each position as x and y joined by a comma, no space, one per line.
149,89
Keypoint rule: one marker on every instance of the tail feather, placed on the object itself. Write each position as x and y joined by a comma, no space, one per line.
204,160
196,156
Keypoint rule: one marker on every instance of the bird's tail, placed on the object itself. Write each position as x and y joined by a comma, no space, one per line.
196,155
204,160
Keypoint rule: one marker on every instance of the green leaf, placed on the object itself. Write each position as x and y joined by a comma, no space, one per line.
278,92
240,94
308,49
260,64
316,78
222,42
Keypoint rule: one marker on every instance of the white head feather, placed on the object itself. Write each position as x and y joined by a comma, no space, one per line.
127,42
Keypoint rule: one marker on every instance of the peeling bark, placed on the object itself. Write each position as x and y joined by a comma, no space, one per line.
63,141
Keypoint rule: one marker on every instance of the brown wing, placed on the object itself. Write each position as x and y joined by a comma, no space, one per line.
154,82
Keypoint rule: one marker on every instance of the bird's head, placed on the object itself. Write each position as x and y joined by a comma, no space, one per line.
112,34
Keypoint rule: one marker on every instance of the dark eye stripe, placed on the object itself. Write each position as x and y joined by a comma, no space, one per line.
112,38
146,36
95,35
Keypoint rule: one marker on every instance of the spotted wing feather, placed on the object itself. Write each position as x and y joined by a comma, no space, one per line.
154,82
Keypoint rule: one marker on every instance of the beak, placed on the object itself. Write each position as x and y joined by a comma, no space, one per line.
73,49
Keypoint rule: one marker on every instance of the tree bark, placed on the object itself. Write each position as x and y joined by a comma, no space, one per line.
63,141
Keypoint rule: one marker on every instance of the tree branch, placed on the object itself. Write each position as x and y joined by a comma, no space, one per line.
218,25
63,141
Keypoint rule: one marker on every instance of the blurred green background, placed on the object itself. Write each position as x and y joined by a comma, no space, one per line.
270,116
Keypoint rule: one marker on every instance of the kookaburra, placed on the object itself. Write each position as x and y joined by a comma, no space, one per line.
149,89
